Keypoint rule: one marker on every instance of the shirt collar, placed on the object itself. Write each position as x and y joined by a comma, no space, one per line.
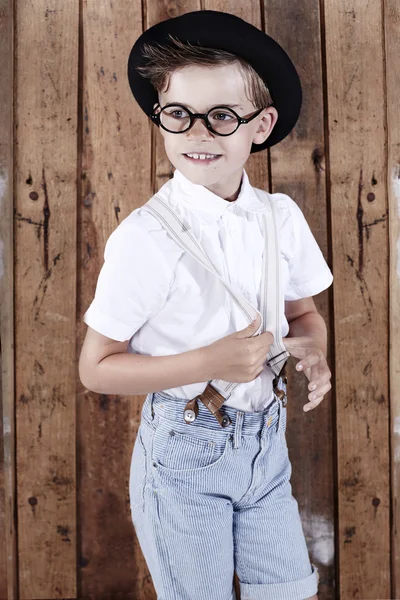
208,205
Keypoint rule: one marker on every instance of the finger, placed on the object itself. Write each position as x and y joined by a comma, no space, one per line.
316,397
323,389
313,404
317,382
309,361
311,372
262,343
302,344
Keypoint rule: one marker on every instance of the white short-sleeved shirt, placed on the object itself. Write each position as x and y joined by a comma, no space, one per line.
152,293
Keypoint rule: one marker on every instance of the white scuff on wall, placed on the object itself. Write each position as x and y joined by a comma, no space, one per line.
319,532
3,188
396,194
396,439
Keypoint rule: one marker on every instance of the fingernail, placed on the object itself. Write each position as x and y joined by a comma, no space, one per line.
299,367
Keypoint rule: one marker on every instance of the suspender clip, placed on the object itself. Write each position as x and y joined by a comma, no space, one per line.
191,411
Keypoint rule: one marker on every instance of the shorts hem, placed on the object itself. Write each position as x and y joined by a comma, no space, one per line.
292,590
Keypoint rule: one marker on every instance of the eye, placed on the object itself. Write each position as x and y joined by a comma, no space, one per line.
221,114
176,113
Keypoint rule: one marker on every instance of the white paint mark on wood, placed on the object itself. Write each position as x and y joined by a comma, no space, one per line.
396,439
396,194
350,318
54,316
396,454
3,189
396,186
6,425
1,259
396,425
3,185
319,532
398,257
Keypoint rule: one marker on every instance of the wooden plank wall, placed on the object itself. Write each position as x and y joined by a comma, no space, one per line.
45,159
8,549
84,157
392,51
114,175
359,213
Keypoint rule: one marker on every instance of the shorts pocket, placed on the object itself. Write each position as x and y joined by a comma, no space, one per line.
176,451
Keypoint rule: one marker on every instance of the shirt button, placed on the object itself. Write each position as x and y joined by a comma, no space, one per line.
155,464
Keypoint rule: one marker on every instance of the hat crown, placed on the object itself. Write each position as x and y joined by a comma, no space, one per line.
225,31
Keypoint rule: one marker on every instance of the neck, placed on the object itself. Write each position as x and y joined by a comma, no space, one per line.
229,191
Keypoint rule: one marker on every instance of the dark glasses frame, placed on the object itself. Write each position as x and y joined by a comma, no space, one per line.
192,116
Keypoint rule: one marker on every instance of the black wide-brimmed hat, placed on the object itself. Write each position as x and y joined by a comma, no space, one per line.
215,29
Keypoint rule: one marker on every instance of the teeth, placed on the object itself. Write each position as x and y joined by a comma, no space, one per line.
202,156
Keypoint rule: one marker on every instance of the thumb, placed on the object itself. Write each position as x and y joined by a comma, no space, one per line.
249,330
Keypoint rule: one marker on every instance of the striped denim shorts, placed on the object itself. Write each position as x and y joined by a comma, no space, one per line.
207,501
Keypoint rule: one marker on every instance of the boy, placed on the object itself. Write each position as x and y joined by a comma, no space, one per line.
207,500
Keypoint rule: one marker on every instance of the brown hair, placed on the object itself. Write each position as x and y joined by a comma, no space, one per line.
162,61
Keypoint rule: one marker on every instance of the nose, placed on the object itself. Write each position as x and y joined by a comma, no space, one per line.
199,127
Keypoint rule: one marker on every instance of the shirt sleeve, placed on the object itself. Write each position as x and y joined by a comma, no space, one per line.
133,283
309,274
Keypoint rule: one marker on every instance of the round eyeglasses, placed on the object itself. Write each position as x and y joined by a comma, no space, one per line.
177,118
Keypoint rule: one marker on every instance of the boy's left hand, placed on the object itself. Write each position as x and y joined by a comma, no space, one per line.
314,365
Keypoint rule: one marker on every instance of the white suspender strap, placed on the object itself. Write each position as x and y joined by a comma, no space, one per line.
271,298
271,293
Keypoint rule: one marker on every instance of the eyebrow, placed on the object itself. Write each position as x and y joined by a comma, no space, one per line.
221,104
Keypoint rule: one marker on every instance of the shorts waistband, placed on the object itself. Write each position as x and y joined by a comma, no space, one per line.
173,408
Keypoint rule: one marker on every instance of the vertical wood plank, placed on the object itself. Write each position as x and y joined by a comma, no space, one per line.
115,178
392,50
156,12
8,536
257,165
162,169
309,436
357,148
45,276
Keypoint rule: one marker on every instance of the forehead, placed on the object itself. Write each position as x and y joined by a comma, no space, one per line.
201,87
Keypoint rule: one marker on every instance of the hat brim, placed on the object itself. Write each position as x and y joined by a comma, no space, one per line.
215,29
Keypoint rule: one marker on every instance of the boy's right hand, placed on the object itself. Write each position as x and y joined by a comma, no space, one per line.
239,357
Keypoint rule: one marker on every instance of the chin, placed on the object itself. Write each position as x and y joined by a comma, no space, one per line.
201,178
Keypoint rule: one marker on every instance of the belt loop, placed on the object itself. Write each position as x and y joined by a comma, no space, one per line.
237,436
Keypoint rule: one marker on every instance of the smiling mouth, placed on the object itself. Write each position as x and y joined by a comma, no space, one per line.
202,158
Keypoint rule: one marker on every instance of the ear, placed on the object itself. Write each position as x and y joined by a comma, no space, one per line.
266,122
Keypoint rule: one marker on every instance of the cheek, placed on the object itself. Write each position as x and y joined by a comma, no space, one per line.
171,145
240,146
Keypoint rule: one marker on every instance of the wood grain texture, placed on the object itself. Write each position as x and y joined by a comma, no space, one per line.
358,184
309,436
84,157
392,50
257,164
8,526
45,301
115,178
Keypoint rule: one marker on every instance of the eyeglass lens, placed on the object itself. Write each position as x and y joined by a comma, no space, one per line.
175,118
